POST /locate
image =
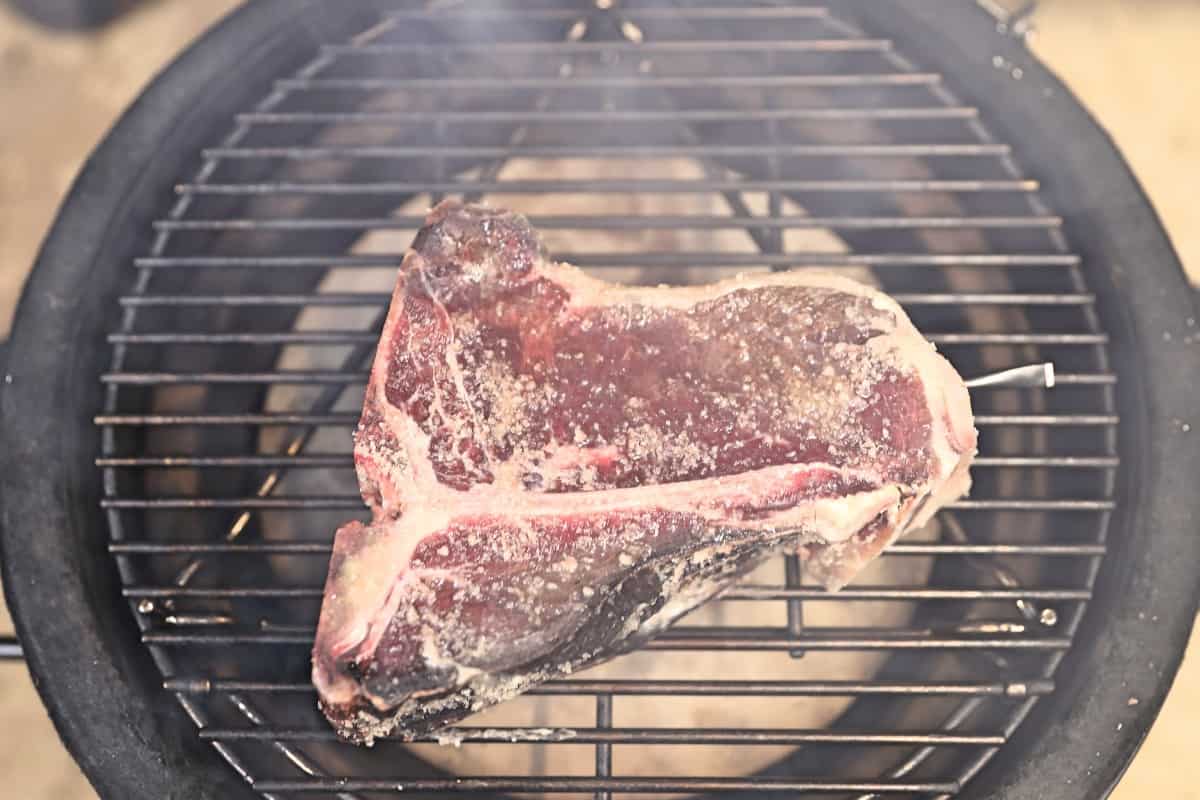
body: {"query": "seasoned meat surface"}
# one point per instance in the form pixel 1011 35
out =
pixel 560 467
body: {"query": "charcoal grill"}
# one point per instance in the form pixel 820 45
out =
pixel 187 359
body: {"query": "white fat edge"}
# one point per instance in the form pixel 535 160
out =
pixel 834 519
pixel 698 591
pixel 631 625
pixel 397 476
pixel 409 483
pixel 682 602
pixel 384 470
pixel 407 478
pixel 369 582
pixel 954 486
pixel 943 388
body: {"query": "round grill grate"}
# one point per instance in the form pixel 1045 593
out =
pixel 650 144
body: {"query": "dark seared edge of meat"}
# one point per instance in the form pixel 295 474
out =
pixel 639 596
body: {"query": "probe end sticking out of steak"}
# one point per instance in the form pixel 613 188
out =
pixel 558 468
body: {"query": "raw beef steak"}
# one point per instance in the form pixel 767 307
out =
pixel 558 467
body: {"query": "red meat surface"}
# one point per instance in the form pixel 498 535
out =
pixel 559 467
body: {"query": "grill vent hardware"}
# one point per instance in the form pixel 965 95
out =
pixel 791 139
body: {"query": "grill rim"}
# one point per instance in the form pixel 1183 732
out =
pixel 53 537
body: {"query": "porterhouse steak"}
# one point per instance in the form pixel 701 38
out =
pixel 558 467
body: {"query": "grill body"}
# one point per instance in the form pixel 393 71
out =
pixel 202 298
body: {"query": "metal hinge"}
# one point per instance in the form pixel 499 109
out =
pixel 10 649
pixel 1016 22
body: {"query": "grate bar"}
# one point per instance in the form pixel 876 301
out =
pixel 994 299
pixel 1048 420
pixel 241 592
pixel 611 186
pixel 669 14
pixel 576 784
pixel 1085 379
pixel 354 501
pixel 1067 462
pixel 374 299
pixel 618 115
pixel 10 648
pixel 342 337
pixel 346 460
pixel 627 222
pixel 938 549
pixel 703 46
pixel 332 337
pixel 610 736
pixel 751 592
pixel 612 151
pixel 349 420
pixel 604 715
pixel 297 758
pixel 744 592
pixel 705 639
pixel 297 377
pixel 952 722
pixel 308 461
pixel 350 501
pixel 221 548
pixel 308 377
pixel 572 82
pixel 1018 338
pixel 655 259
pixel 1032 505
pixel 284 419
pixel 719 688
pixel 994 641
pixel 323 549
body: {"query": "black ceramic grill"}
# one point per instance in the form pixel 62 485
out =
pixel 240 279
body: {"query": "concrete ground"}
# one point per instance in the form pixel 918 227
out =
pixel 1133 62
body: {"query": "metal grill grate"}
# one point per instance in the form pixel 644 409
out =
pixel 652 144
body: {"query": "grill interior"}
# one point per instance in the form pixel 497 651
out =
pixel 650 143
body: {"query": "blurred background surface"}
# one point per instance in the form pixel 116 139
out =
pixel 1133 63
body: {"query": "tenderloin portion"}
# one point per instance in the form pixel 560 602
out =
pixel 558 467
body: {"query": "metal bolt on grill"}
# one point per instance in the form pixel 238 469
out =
pixel 651 143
